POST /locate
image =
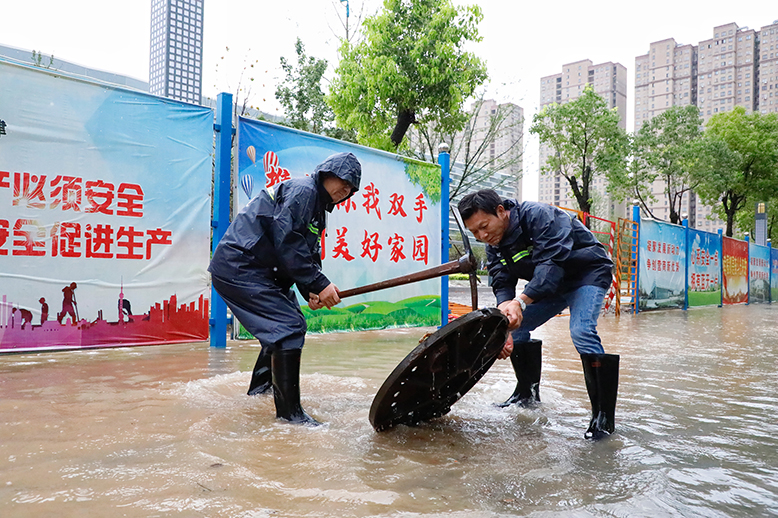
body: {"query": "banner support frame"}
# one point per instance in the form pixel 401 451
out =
pixel 222 182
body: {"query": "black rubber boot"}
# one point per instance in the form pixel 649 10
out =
pixel 286 387
pixel 601 372
pixel 262 377
pixel 526 359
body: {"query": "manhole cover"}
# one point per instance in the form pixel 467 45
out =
pixel 440 370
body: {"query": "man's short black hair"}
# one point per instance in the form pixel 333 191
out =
pixel 486 200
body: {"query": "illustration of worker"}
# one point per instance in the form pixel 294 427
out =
pixel 44 310
pixel 26 315
pixel 69 305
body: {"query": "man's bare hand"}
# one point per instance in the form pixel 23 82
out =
pixel 313 302
pixel 512 310
pixel 507 349
pixel 329 296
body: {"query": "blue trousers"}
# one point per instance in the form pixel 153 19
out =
pixel 268 311
pixel 585 304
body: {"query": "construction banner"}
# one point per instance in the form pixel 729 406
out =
pixel 662 260
pixel 758 273
pixel 774 274
pixel 735 266
pixel 704 275
pixel 391 227
pixel 104 214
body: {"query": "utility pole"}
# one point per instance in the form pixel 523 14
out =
pixel 347 14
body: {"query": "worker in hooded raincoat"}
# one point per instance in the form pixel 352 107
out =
pixel 274 243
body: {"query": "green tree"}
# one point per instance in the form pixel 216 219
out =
pixel 300 93
pixel 585 141
pixel 738 161
pixel 410 67
pixel 664 148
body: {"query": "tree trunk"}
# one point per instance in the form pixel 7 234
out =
pixel 730 223
pixel 404 120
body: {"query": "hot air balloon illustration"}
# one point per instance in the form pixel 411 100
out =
pixel 270 161
pixel 247 182
pixel 252 153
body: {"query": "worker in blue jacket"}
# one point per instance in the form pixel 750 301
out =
pixel 274 243
pixel 566 267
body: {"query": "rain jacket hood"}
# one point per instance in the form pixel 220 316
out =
pixel 346 167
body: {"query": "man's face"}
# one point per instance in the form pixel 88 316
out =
pixel 338 189
pixel 488 228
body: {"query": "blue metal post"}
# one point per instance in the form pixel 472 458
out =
pixel 721 266
pixel 636 241
pixel 770 272
pixel 685 224
pixel 222 182
pixel 748 269
pixel 445 164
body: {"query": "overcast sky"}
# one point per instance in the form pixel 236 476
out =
pixel 522 40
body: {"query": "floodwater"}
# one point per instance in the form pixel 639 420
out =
pixel 167 431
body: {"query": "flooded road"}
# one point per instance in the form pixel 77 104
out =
pixel 168 430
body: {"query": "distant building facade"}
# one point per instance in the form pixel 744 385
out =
pixel 609 81
pixel 738 66
pixel 505 150
pixel 176 56
pixel 60 65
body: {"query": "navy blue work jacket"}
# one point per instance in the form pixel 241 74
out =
pixel 277 235
pixel 553 251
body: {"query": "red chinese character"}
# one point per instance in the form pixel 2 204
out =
pixel 67 193
pixel 276 175
pixel 371 246
pixel 421 248
pixel 397 205
pixel 130 203
pixel 3 235
pixel 371 199
pixel 157 237
pixel 25 242
pixel 101 237
pixel 347 205
pixel 130 242
pixel 99 196
pixel 23 196
pixel 396 244
pixel 420 207
pixel 5 179
pixel 66 240
pixel 341 248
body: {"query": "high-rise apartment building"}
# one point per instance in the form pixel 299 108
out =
pixel 738 66
pixel 767 70
pixel 609 80
pixel 727 70
pixel 176 61
pixel 666 77
pixel 505 122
